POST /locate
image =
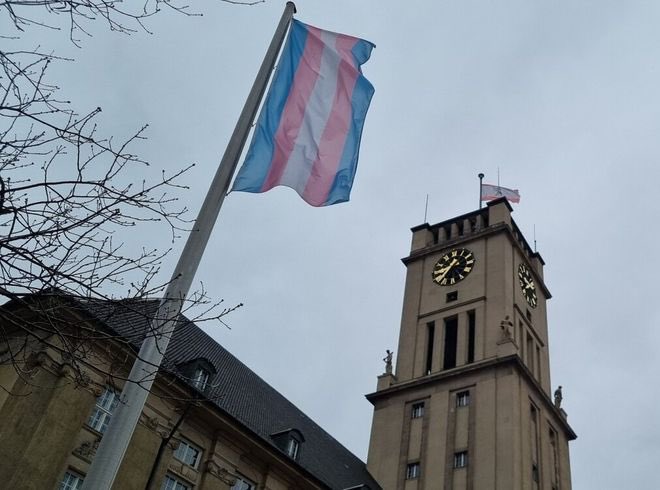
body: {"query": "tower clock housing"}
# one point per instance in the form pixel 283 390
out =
pixel 469 405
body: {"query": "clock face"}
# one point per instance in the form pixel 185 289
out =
pixel 453 266
pixel 527 285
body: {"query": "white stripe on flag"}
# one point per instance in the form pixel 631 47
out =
pixel 316 116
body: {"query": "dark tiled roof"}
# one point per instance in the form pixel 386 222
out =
pixel 239 392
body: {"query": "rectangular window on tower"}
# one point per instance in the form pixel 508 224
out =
pixel 529 352
pixel 534 434
pixel 417 411
pixel 412 471
pixel 471 332
pixel 460 459
pixel 554 459
pixel 430 339
pixel 462 398
pixel 451 339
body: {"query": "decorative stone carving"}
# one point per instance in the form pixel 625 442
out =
pixel 84 379
pixel 96 390
pixel 187 472
pixel 87 450
pixel 151 423
pixel 507 328
pixel 220 472
pixel 70 368
pixel 176 466
pixel 67 357
pixel 67 370
pixel 37 359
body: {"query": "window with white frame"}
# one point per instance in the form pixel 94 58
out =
pixel 173 483
pixel 463 399
pixel 201 378
pixel 243 483
pixel 105 405
pixel 188 453
pixel 460 459
pixel 413 471
pixel 417 410
pixel 71 481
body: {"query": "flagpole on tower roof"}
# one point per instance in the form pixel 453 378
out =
pixel 117 437
pixel 481 180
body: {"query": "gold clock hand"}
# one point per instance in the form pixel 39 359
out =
pixel 441 272
pixel 447 269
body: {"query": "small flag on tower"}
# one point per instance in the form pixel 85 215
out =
pixel 308 133
pixel 490 192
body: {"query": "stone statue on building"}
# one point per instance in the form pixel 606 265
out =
pixel 388 361
pixel 558 397
pixel 507 328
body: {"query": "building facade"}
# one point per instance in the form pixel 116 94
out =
pixel 210 423
pixel 470 405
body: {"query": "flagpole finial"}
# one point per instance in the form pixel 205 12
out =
pixel 295 11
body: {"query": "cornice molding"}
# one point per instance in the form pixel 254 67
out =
pixel 488 364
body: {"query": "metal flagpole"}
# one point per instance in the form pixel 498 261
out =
pixel 481 179
pixel 110 453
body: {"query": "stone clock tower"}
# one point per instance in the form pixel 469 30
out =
pixel 470 404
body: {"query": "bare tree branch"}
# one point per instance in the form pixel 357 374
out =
pixel 118 16
pixel 67 195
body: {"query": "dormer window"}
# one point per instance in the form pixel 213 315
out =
pixel 289 441
pixel 201 378
pixel 198 373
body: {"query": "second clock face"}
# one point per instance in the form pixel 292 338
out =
pixel 527 285
pixel 452 267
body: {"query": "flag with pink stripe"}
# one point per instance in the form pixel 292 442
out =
pixel 491 191
pixel 308 133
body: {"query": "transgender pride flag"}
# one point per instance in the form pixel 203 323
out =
pixel 308 133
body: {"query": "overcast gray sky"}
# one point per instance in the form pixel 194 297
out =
pixel 562 97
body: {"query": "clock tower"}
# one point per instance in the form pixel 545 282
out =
pixel 470 404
